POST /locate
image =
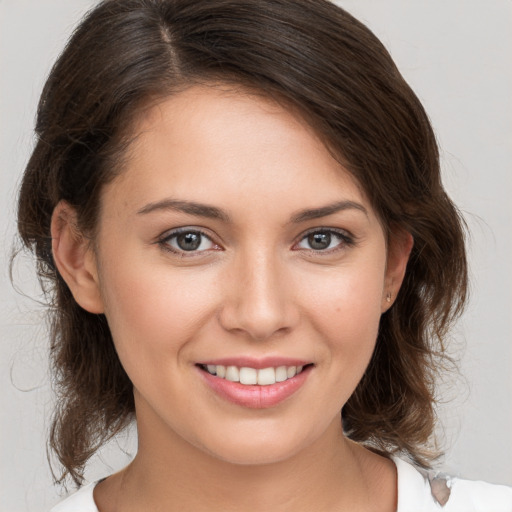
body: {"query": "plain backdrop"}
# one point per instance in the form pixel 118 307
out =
pixel 455 54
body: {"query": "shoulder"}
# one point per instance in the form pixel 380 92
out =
pixel 80 501
pixel 419 491
pixel 480 496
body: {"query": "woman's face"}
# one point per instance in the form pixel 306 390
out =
pixel 233 246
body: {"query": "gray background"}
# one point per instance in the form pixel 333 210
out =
pixel 455 54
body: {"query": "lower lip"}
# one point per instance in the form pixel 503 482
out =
pixel 256 397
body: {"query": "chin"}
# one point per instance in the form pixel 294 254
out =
pixel 258 446
pixel 255 454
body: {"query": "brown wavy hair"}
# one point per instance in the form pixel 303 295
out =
pixel 310 55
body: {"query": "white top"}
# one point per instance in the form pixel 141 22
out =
pixel 417 492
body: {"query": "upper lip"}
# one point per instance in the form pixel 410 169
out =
pixel 257 363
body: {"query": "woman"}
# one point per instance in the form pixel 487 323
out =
pixel 238 208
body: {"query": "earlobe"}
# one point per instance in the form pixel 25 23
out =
pixel 399 250
pixel 74 258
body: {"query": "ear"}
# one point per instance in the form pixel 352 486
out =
pixel 75 259
pixel 399 249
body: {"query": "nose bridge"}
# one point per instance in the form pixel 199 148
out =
pixel 259 302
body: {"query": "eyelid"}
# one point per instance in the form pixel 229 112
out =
pixel 163 241
pixel 347 239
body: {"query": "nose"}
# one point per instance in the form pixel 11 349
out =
pixel 258 300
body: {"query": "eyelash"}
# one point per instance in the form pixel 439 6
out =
pixel 346 240
pixel 164 241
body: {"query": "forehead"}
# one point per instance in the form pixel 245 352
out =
pixel 224 117
pixel 232 144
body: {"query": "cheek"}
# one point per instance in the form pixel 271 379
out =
pixel 154 311
pixel 346 311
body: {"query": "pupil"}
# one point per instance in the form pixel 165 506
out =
pixel 189 241
pixel 319 240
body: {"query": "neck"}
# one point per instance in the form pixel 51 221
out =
pixel 168 473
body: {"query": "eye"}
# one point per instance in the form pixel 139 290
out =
pixel 325 240
pixel 187 241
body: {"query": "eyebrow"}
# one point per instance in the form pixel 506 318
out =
pixel 324 211
pixel 212 212
pixel 190 207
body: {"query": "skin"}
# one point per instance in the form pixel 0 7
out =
pixel 255 288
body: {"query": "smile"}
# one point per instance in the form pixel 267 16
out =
pixel 255 388
pixel 253 376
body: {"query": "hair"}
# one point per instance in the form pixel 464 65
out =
pixel 307 54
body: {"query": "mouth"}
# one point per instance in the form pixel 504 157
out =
pixel 248 376
pixel 255 388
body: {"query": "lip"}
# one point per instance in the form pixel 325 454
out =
pixel 257 363
pixel 255 397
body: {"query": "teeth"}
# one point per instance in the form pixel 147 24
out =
pixel 248 376
pixel 252 376
pixel 281 374
pixel 232 374
pixel 266 376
